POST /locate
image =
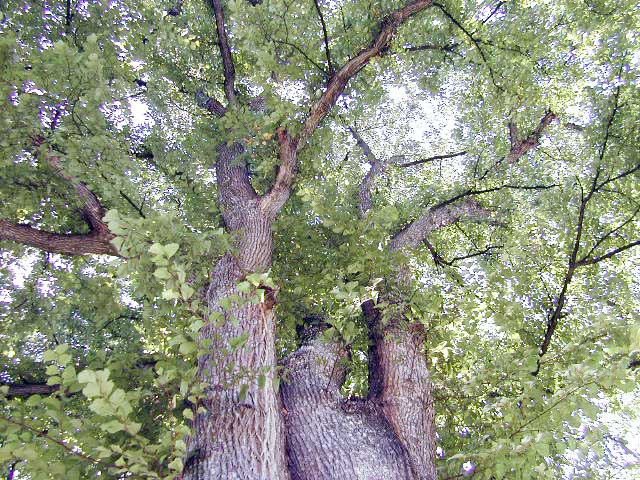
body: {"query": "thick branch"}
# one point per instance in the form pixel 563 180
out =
pixel 521 146
pixel 27 389
pixel 339 81
pixel 435 218
pixel 94 242
pixel 225 51
pixel 272 202
pixel 210 104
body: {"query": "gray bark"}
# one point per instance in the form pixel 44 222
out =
pixel 329 437
pixel 239 438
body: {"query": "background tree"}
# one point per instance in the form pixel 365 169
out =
pixel 457 256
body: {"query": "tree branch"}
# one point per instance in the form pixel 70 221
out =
pixel 303 53
pixel 27 389
pixel 289 146
pixel 81 244
pixel 98 241
pixel 432 159
pixel 437 217
pixel 441 262
pixel 272 202
pixel 339 81
pixel 474 40
pixel 210 104
pixel 225 51
pixel 608 235
pixel 521 146
pixel 609 254
pixel 377 167
pixel 326 38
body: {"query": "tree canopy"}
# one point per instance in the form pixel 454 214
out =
pixel 469 166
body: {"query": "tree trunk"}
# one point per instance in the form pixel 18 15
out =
pixel 240 436
pixel 241 433
pixel 400 383
pixel 329 437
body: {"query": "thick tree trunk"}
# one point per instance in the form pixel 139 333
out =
pixel 329 437
pixel 241 434
pixel 400 383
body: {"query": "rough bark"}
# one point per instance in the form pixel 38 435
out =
pixel 238 437
pixel 329 437
pixel 399 381
pixel 97 242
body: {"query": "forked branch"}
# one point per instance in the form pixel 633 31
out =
pixel 289 146
pixel 97 241
pixel 521 146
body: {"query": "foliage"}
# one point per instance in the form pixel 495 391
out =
pixel 112 87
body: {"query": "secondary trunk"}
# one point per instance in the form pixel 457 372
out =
pixel 329 437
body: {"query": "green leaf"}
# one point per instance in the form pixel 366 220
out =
pixel 187 347
pixel 113 426
pixel 176 465
pixel 87 376
pixel 156 249
pixel 244 389
pixel 170 249
pixel 186 291
pixel 102 407
pixel 162 273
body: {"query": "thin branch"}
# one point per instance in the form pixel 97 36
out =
pixel 43 433
pixel 430 47
pixel 609 254
pixel 626 173
pixel 609 234
pixel 475 42
pixel 432 159
pixel 225 51
pixel 326 38
pixel 495 10
pixel 441 262
pixel 557 313
pixel 303 53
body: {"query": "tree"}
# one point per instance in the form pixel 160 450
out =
pixel 457 255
